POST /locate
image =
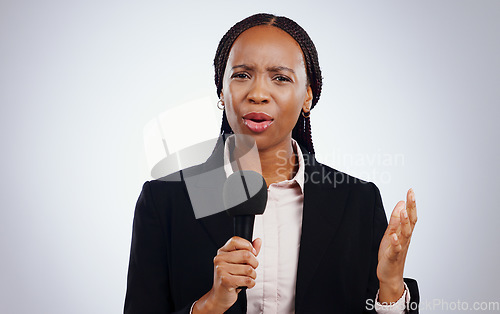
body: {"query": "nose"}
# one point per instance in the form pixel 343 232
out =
pixel 259 92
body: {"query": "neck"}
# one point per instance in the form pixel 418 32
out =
pixel 276 164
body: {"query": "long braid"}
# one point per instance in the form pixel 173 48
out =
pixel 225 128
pixel 302 133
pixel 302 129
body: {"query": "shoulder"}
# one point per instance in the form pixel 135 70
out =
pixel 331 178
pixel 351 193
pixel 169 189
pixel 177 180
pixel 360 199
pixel 172 182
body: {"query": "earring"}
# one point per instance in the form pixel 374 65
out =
pixel 220 105
pixel 308 114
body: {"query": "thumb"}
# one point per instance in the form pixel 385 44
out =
pixel 257 244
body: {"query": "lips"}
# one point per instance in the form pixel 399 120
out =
pixel 257 122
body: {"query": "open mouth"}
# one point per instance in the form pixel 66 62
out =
pixel 257 121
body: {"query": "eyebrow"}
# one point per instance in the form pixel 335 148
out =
pixel 270 69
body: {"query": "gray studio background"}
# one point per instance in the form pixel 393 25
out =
pixel 411 99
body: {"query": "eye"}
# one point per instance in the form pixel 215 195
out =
pixel 240 75
pixel 282 78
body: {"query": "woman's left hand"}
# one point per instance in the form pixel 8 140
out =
pixel 394 247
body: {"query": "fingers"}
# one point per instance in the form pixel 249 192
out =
pixel 233 282
pixel 237 243
pixel 406 227
pixel 236 275
pixel 398 247
pixel 395 220
pixel 235 264
pixel 401 224
pixel 257 244
pixel 232 276
pixel 396 244
pixel 238 251
pixel 237 257
pixel 241 270
pixel 411 207
pixel 408 218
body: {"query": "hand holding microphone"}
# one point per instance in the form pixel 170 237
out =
pixel 245 195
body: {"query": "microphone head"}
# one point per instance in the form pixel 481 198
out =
pixel 245 193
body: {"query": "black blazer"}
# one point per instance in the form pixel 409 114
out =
pixel 171 258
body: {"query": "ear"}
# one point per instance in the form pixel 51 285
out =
pixel 222 96
pixel 306 107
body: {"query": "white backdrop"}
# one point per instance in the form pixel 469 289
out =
pixel 411 99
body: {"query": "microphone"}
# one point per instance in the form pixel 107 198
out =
pixel 244 195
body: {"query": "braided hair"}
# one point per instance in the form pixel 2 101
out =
pixel 302 130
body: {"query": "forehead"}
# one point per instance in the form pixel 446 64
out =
pixel 266 45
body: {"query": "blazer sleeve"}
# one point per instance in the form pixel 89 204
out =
pixel 379 227
pixel 148 275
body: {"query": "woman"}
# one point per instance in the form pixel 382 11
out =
pixel 323 243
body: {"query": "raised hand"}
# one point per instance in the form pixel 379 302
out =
pixel 394 247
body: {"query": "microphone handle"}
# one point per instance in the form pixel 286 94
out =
pixel 243 228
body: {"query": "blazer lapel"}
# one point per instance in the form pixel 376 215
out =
pixel 322 213
pixel 219 226
pixel 205 184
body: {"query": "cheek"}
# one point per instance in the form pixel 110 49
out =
pixel 293 116
pixel 291 107
pixel 232 94
pixel 231 114
pixel 236 91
